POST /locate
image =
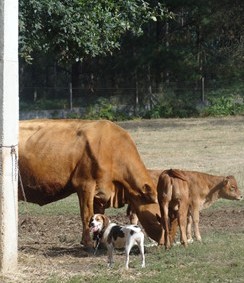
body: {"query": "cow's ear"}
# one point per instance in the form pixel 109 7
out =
pixel 159 218
pixel 147 189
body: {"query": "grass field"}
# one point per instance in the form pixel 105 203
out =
pixel 49 236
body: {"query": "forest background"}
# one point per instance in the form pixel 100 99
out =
pixel 120 59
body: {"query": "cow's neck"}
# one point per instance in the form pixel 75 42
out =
pixel 215 184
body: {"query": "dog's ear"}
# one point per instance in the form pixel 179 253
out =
pixel 105 220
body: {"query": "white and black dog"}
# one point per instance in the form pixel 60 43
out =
pixel 116 236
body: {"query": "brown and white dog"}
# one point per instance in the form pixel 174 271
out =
pixel 116 236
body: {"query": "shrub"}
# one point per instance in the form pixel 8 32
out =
pixel 172 108
pixel 103 109
pixel 220 106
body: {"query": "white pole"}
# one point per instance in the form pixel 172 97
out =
pixel 9 124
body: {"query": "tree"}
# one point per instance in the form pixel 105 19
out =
pixel 71 30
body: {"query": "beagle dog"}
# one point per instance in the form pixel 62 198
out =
pixel 116 236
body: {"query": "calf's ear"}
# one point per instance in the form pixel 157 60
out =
pixel 226 180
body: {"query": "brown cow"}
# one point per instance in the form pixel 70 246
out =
pixel 61 157
pixel 185 193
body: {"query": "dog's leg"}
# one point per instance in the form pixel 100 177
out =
pixel 140 244
pixel 128 247
pixel 110 254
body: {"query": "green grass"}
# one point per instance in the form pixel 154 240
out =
pixel 225 204
pixel 70 206
pixel 67 206
pixel 219 259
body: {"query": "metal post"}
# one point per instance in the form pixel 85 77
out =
pixel 9 113
pixel 203 89
pixel 70 97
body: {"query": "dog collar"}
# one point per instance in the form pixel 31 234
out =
pixel 97 237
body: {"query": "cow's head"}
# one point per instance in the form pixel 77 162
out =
pixel 149 215
pixel 148 194
pixel 230 189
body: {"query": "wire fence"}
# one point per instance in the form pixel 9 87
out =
pixel 63 101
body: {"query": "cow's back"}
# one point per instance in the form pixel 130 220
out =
pixel 54 155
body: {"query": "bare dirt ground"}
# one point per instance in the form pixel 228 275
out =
pixel 49 245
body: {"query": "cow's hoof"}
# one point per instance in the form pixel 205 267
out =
pixel 89 250
pixel 87 247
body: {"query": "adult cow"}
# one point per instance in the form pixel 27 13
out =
pixel 183 194
pixel 92 158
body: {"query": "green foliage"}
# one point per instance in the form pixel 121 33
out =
pixel 44 104
pixel 225 101
pixel 103 109
pixel 223 106
pixel 123 44
pixel 74 29
pixel 220 106
pixel 172 105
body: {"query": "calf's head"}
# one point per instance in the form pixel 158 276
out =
pixel 230 189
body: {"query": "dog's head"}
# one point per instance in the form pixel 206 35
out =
pixel 98 222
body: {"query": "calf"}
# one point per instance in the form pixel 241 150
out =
pixel 184 193
pixel 116 236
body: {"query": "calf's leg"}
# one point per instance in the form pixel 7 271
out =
pixel 195 216
pixel 182 219
pixel 188 228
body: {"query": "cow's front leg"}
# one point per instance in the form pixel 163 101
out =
pixel 86 200
pixel 132 215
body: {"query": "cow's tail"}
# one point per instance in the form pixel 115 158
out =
pixel 176 173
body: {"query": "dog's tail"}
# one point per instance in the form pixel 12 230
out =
pixel 134 228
